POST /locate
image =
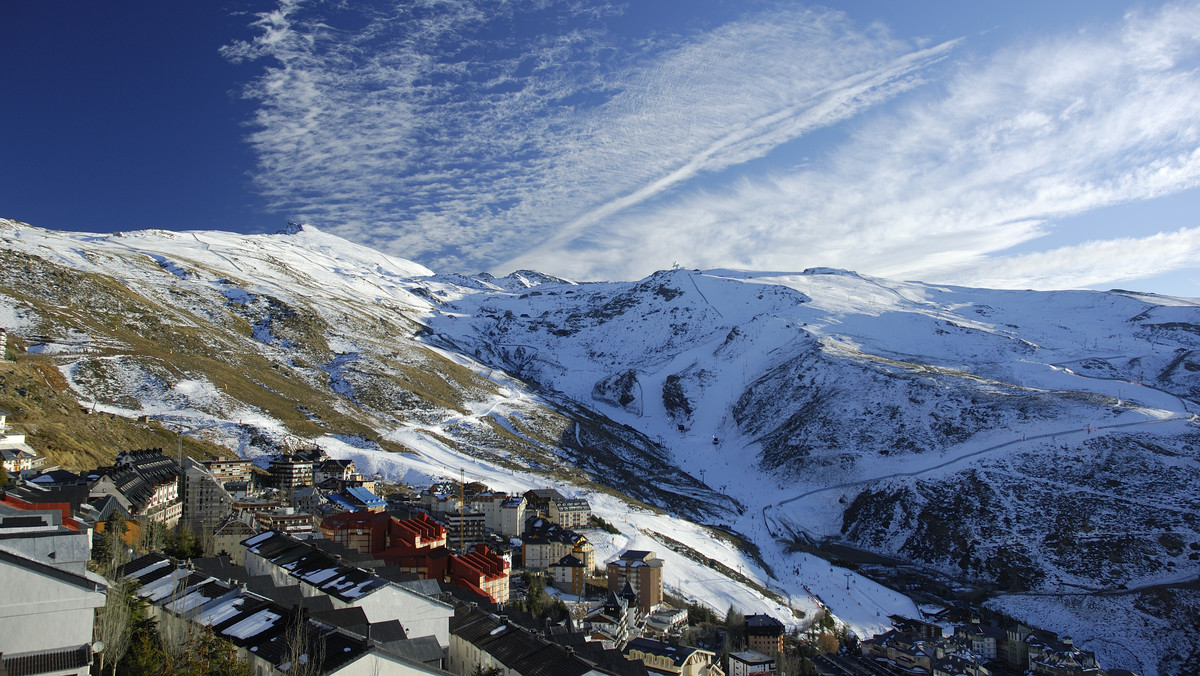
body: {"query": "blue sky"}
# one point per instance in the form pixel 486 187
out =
pixel 1016 145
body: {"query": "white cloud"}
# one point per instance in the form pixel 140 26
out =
pixel 980 164
pixel 1088 264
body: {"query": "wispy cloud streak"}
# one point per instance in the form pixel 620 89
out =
pixel 461 133
pixel 1095 263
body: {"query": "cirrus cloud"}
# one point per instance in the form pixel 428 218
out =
pixel 462 133
pixel 480 134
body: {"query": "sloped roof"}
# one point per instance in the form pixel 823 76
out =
pixel 365 496
pixel 343 617
pixel 514 647
pixel 420 649
pixel 678 654
pixel 231 525
pixel 306 562
pixel 608 659
pixel 247 619
pixel 56 476
pixel 763 625
pixel 342 502
pixel 543 495
pixel 46 570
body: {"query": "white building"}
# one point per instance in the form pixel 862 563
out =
pixel 50 598
pixel 751 662
pixel 206 503
pixel 16 455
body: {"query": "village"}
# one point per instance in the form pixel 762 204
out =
pixel 308 562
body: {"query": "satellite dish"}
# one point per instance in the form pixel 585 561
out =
pixel 98 647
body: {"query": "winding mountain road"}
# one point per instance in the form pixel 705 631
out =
pixel 965 456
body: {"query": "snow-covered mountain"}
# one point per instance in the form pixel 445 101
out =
pixel 1042 441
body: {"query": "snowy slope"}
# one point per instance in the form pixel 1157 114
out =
pixel 991 435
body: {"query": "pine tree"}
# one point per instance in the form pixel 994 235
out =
pixel 145 656
pixel 735 627
pixel 182 544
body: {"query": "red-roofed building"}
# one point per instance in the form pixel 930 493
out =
pixel 483 572
pixel 419 533
pixel 63 508
pixel 417 545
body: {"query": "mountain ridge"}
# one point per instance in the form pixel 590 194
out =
pixel 718 396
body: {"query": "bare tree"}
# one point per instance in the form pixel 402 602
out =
pixel 304 648
pixel 176 630
pixel 114 534
pixel 113 626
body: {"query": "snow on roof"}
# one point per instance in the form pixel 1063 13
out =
pixel 253 625
pixel 258 539
pixel 222 609
pixel 363 588
pixel 192 600
pixel 154 566
pixel 164 586
pixel 318 576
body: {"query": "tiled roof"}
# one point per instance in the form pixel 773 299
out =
pixel 517 649
pixel 421 649
pixel 760 625
pixel 46 661
pixel 567 561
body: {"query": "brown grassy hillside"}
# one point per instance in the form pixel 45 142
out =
pixel 41 406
